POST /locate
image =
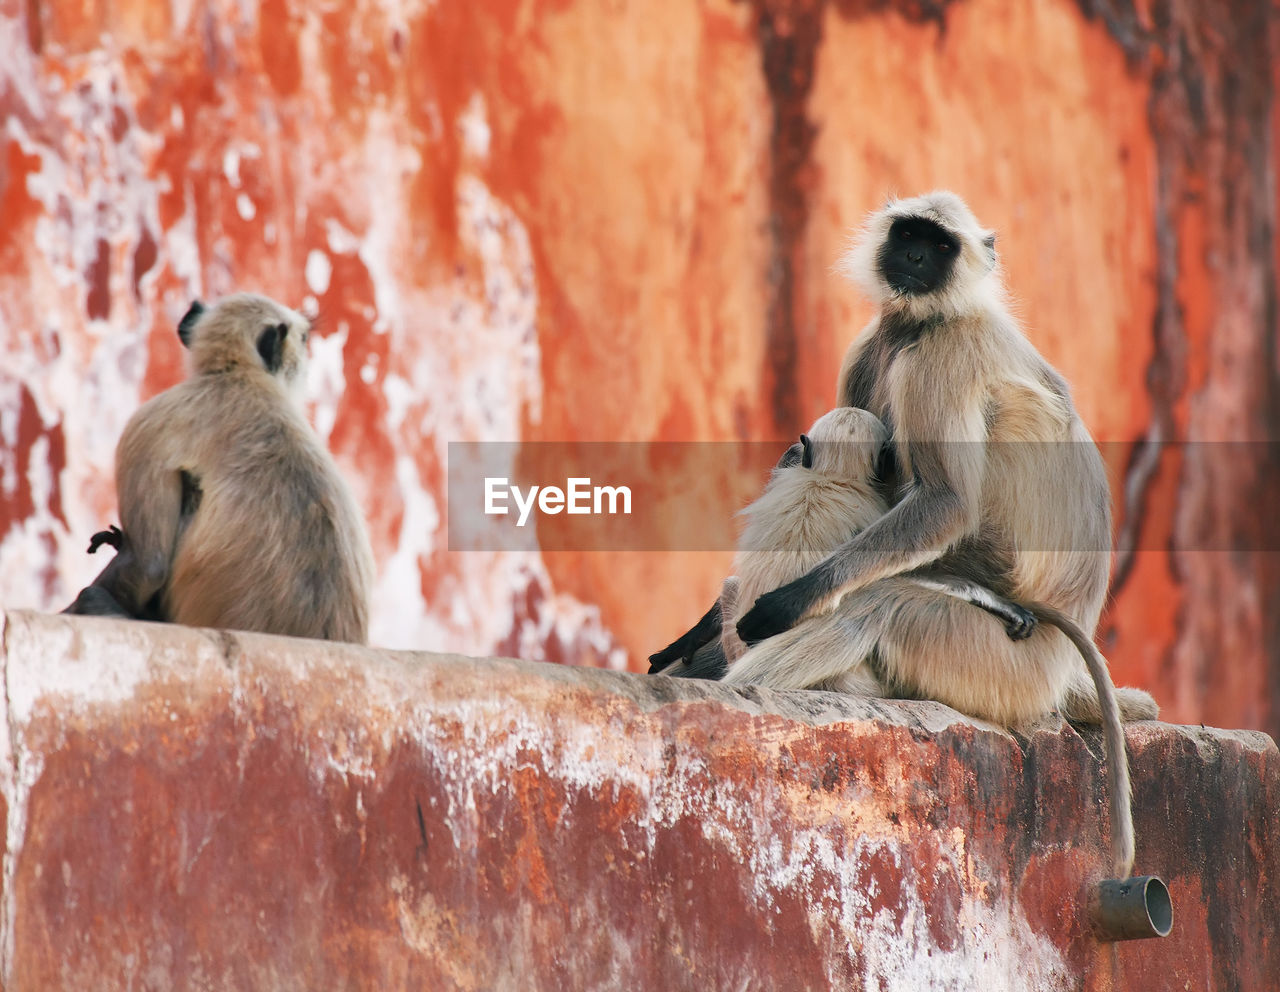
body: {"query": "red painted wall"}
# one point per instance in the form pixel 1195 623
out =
pixel 574 221
pixel 188 810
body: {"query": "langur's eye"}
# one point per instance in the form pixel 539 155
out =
pixel 905 234
pixel 944 246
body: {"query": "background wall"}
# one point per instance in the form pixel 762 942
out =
pixel 579 220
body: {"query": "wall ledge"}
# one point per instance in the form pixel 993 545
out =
pixel 203 809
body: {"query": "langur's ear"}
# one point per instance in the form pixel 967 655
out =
pixel 806 460
pixel 188 323
pixel 271 346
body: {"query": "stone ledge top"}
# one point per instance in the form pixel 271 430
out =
pixel 53 649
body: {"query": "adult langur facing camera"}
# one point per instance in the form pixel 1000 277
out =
pixel 1004 488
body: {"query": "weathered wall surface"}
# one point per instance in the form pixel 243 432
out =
pixel 529 221
pixel 194 810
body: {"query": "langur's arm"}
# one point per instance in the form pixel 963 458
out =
pixel 730 643
pixel 940 507
pixel 684 647
pixel 859 368
pixel 150 495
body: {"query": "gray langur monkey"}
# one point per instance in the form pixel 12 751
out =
pixel 808 509
pixel 1003 488
pixel 234 514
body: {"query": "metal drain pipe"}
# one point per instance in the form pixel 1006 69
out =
pixel 1131 908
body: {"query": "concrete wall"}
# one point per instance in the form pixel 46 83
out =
pixel 190 809
pixel 571 220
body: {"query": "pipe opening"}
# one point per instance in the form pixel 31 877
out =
pixel 1132 908
pixel 1159 906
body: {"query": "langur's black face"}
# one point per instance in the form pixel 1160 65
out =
pixel 918 255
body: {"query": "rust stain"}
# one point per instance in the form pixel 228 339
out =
pixel 789 36
pixel 98 279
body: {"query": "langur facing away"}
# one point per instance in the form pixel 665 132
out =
pixel 234 514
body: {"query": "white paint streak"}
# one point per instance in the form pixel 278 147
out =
pixel 341 241
pixel 399 395
pixel 231 166
pixel 10 401
pixel 325 380
pixel 474 126
pixel 400 578
pixel 319 270
pixel 183 247
pixel 492 230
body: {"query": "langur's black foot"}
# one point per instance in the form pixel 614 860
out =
pixel 94 601
pixel 708 662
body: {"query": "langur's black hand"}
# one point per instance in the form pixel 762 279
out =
pixel 113 535
pixel 1020 624
pixel 776 611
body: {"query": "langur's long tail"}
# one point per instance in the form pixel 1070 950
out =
pixel 1118 785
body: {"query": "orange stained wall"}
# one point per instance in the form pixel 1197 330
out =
pixel 561 220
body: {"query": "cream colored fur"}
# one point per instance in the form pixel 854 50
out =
pixel 805 513
pixel 276 543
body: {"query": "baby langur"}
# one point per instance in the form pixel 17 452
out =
pixel 810 507
pixel 823 491
pixel 234 514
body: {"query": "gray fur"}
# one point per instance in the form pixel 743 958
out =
pixel 275 542
pixel 805 512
